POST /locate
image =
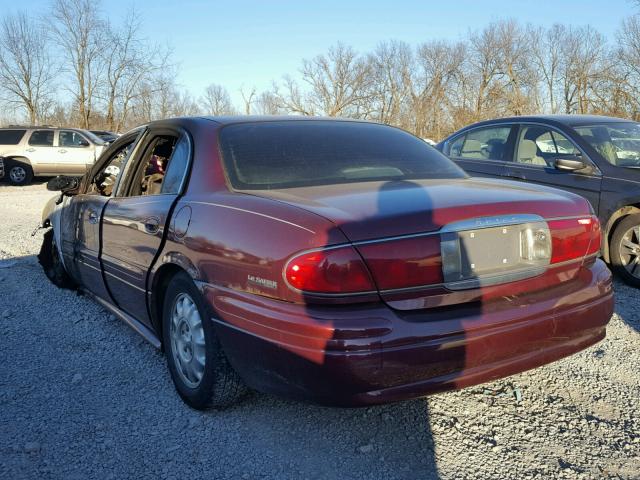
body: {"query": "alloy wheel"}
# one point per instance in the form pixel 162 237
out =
pixel 17 174
pixel 630 251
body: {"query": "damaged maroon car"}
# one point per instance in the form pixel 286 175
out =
pixel 340 262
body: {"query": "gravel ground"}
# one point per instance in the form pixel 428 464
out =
pixel 82 396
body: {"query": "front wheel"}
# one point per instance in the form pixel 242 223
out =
pixel 49 258
pixel 19 173
pixel 199 368
pixel 625 250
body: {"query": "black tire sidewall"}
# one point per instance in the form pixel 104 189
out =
pixel 199 397
pixel 616 239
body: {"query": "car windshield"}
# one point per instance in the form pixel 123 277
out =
pixel 284 154
pixel 93 137
pixel 618 143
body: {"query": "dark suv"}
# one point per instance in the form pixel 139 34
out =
pixel 596 157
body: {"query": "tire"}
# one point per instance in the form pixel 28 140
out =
pixel 199 368
pixel 49 258
pixel 625 250
pixel 18 173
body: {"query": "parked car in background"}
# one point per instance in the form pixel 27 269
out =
pixel 105 135
pixel 45 151
pixel 593 156
pixel 342 262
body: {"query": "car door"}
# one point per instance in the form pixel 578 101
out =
pixel 536 151
pixel 75 154
pixel 41 152
pixel 80 235
pixel 482 151
pixel 134 223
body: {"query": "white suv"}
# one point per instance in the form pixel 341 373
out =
pixel 44 151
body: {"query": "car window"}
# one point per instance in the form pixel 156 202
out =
pixel 177 168
pixel 69 138
pixel 11 137
pixel 482 143
pixel 41 138
pixel 618 143
pixel 287 154
pixel 540 146
pixel 105 180
pixel 150 176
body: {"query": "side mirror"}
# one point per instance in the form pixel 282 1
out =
pixel 63 183
pixel 84 143
pixel 568 165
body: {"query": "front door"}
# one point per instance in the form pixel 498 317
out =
pixel 134 225
pixel 537 149
pixel 80 232
pixel 75 153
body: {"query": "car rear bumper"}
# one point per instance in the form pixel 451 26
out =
pixel 371 354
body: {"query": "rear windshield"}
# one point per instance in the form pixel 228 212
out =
pixel 11 137
pixel 282 154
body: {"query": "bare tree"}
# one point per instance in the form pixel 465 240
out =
pixel 26 72
pixel 391 69
pixel 338 85
pixel 128 61
pixel 78 29
pixel 216 101
pixel 247 98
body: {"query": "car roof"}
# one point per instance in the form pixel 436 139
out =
pixel 229 119
pixel 557 119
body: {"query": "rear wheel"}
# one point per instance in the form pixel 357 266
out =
pixel 200 371
pixel 625 250
pixel 19 173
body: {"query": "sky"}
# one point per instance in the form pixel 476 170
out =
pixel 249 43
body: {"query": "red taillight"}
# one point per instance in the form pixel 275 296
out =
pixel 335 270
pixel 574 238
pixel 404 263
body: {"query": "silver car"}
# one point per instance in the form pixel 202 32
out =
pixel 43 151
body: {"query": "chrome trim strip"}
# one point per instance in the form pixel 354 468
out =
pixel 124 281
pixel 254 213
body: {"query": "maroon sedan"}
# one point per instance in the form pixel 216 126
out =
pixel 342 262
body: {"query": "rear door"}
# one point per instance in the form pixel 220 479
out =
pixel 135 221
pixel 537 148
pixel 483 151
pixel 41 152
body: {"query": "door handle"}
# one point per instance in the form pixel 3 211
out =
pixel 31 149
pixel 62 150
pixel 152 225
pixel 93 217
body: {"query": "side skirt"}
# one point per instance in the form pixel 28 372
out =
pixel 146 333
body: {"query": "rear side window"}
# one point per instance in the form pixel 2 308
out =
pixel 270 155
pixel 41 138
pixel 482 144
pixel 11 137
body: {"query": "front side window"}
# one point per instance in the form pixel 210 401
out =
pixel 104 182
pixel 482 144
pixel 41 138
pixel 618 143
pixel 540 146
pixel 286 154
pixel 69 138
